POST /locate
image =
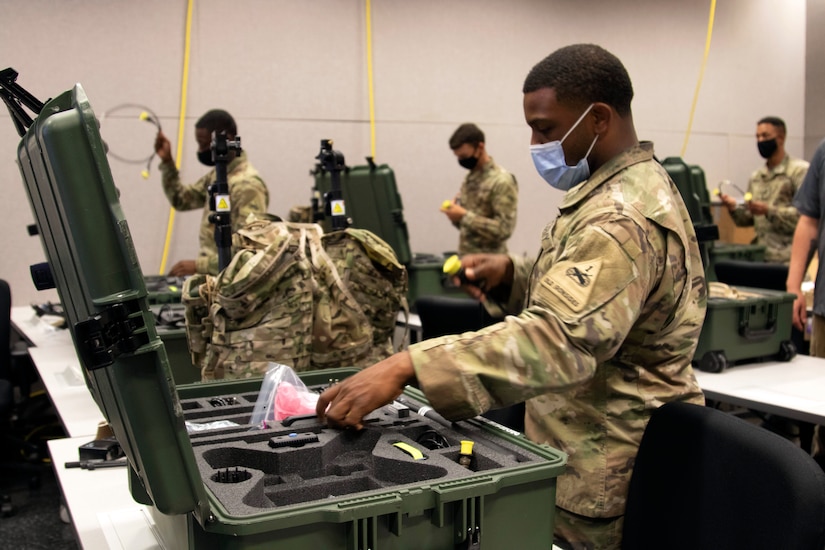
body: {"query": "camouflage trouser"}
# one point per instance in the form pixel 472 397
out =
pixel 575 532
pixel 818 350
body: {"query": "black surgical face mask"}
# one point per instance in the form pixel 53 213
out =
pixel 469 163
pixel 766 148
pixel 205 157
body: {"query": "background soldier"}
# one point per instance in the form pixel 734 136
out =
pixel 484 211
pixel 772 187
pixel 247 191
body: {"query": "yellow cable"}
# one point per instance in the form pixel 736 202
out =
pixel 369 78
pixel 181 120
pixel 701 75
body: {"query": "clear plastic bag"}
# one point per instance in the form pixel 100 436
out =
pixel 282 395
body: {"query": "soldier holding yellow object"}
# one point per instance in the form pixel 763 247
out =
pixel 484 211
pixel 772 188
pixel 604 323
pixel 247 191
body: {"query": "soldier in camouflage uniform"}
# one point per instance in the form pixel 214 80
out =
pixel 773 186
pixel 605 321
pixel 247 191
pixel 484 211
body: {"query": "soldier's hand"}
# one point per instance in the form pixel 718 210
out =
pixel 345 404
pixel 163 147
pixel 728 201
pixel 487 271
pixel 455 212
pixel 800 312
pixel 183 268
pixel 758 208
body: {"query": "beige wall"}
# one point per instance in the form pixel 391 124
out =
pixel 294 72
pixel 814 76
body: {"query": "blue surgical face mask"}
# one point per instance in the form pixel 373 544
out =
pixel 549 161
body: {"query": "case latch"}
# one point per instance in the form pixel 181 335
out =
pixel 110 333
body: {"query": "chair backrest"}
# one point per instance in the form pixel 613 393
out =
pixel 5 330
pixel 704 479
pixel 441 315
pixel 6 388
pixel 753 274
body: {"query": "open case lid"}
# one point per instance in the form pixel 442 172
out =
pixel 101 287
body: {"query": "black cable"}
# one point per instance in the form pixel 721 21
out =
pixel 146 114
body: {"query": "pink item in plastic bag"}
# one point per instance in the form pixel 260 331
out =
pixel 289 401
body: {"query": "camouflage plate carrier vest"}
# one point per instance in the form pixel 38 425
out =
pixel 296 296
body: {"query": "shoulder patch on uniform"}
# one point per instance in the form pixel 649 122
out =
pixel 573 284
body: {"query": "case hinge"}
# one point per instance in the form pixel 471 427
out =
pixel 110 333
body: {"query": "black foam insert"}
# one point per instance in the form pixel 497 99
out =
pixel 250 469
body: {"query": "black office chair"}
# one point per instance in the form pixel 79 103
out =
pixel 22 458
pixel 704 479
pixel 442 315
pixel 6 385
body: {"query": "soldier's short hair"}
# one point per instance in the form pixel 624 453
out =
pixel 218 120
pixel 466 133
pixel 774 121
pixel 583 74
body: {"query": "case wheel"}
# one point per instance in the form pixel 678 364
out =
pixel 713 361
pixel 787 350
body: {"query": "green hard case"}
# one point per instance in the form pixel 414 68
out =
pixel 505 500
pixel 755 328
pixel 690 181
pixel 372 202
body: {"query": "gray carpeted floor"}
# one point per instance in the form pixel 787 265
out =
pixel 35 523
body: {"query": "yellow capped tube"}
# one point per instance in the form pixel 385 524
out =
pixel 467 447
pixel 465 457
pixel 452 265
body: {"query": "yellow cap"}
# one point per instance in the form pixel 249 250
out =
pixel 144 115
pixel 717 191
pixel 446 204
pixel 145 174
pixel 467 447
pixel 748 196
pixel 452 265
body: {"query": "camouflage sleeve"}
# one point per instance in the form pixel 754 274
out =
pixel 560 339
pixel 247 196
pixel 183 197
pixel 741 216
pixel 782 214
pixel 504 203
pixel 207 262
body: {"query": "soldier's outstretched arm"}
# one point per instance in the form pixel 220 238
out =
pixel 345 404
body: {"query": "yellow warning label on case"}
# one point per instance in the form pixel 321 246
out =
pixel 222 203
pixel 338 208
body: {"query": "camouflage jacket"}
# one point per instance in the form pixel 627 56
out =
pixel 490 196
pixel 613 307
pixel 247 194
pixel 296 296
pixel 775 186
